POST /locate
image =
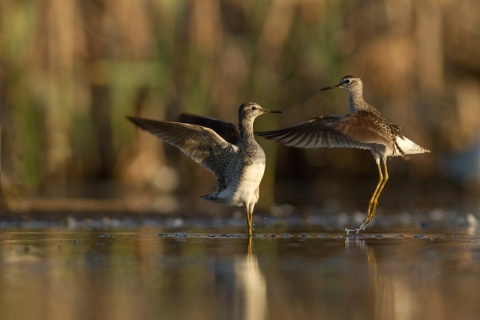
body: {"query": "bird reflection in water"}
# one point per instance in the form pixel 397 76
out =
pixel 389 295
pixel 244 287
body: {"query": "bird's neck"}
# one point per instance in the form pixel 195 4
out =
pixel 356 101
pixel 246 130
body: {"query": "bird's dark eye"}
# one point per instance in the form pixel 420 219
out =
pixel 254 108
pixel 348 81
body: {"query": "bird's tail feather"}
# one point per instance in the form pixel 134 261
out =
pixel 407 146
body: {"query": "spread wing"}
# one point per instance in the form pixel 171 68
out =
pixel 366 127
pixel 354 130
pixel 320 132
pixel 201 144
pixel 226 130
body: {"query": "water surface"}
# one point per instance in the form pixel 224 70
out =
pixel 144 274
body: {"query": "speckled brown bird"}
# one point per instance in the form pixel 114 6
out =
pixel 364 127
pixel 238 166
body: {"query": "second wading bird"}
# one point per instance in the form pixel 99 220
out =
pixel 238 167
pixel 364 127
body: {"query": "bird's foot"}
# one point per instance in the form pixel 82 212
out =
pixel 357 230
pixel 352 231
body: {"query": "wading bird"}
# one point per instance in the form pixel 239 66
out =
pixel 364 127
pixel 238 167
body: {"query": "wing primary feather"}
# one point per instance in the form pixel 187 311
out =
pixel 203 145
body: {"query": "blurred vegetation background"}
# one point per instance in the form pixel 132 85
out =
pixel 71 70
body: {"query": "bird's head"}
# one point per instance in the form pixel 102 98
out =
pixel 251 110
pixel 348 83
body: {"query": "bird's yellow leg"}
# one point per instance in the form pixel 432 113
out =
pixel 385 178
pixel 374 201
pixel 372 204
pixel 249 223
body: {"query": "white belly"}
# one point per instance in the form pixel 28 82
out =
pixel 246 189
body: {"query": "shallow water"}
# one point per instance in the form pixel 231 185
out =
pixel 143 274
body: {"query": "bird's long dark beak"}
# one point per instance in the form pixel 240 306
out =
pixel 331 87
pixel 272 111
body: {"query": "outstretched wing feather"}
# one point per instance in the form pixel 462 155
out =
pixel 226 130
pixel 201 144
pixel 318 132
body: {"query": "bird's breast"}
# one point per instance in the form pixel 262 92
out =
pixel 252 175
pixel 246 190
